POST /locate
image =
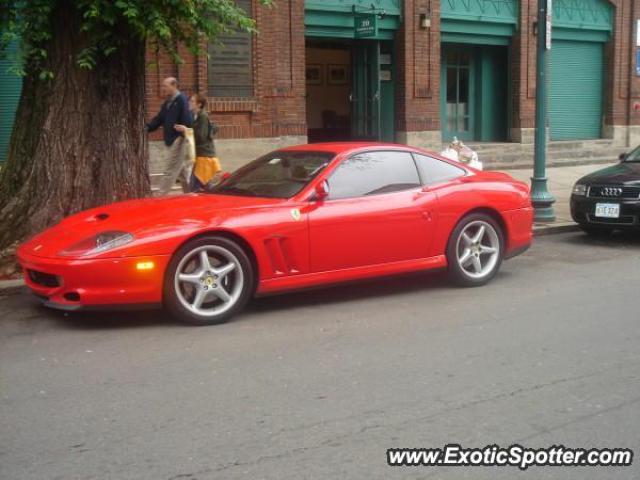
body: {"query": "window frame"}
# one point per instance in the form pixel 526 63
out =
pixel 227 103
pixel 330 174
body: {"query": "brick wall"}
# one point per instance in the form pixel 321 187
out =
pixel 418 100
pixel 277 108
pixel 523 69
pixel 619 68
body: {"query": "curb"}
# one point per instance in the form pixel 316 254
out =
pixel 552 164
pixel 11 284
pixel 542 229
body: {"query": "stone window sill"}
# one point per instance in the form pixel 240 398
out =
pixel 219 104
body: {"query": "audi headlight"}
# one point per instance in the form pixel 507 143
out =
pixel 579 189
pixel 100 243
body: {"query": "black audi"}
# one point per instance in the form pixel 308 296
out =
pixel 609 199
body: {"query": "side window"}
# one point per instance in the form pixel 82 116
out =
pixel 436 171
pixel 373 173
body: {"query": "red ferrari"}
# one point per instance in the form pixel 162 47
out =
pixel 298 217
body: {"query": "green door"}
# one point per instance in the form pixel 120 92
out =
pixel 575 90
pixel 458 90
pixel 365 96
pixel 492 77
pixel 474 96
pixel 10 89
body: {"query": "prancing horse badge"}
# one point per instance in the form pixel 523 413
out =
pixel 295 213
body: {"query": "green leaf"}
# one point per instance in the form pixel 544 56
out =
pixel 107 26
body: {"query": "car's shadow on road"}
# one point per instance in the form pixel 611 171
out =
pixel 110 320
pixel 615 240
pixel 427 282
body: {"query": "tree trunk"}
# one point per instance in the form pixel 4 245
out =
pixel 77 140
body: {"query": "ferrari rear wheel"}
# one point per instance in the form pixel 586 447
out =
pixel 475 250
pixel 208 280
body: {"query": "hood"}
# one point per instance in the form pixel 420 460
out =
pixel 626 173
pixel 144 218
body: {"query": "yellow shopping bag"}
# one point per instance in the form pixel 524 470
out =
pixel 206 168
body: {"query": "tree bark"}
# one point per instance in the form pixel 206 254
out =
pixel 78 139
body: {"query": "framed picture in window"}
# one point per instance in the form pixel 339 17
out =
pixel 314 75
pixel 337 74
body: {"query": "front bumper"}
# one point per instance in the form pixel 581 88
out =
pixel 71 284
pixel 583 212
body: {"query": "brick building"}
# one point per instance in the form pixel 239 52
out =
pixel 419 72
pixel 414 71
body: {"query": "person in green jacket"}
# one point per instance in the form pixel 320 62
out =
pixel 207 164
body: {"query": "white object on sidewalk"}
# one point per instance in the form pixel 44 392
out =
pixel 459 152
pixel 450 153
pixel 475 162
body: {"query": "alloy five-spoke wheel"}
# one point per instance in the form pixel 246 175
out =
pixel 208 280
pixel 475 250
pixel 478 249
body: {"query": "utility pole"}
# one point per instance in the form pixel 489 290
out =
pixel 540 197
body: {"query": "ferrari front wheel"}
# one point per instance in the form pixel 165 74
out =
pixel 208 281
pixel 475 250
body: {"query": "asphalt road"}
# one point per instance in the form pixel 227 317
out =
pixel 319 384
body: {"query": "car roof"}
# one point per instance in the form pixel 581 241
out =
pixel 338 148
pixel 342 147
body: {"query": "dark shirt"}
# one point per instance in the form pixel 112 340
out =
pixel 174 111
pixel 203 131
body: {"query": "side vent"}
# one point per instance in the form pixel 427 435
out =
pixel 281 257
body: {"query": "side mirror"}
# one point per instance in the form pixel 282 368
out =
pixel 622 157
pixel 322 191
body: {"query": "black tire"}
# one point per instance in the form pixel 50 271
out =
pixel 457 274
pixel 596 231
pixel 174 304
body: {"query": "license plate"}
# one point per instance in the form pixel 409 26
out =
pixel 608 210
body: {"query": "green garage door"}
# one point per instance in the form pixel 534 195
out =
pixel 576 86
pixel 10 88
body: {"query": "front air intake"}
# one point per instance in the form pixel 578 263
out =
pixel 44 279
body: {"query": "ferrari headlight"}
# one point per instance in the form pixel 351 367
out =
pixel 579 189
pixel 102 242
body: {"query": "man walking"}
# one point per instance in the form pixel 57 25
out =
pixel 174 111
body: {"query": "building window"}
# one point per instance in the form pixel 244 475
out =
pixel 230 68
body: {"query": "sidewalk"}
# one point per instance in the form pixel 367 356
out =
pixel 560 182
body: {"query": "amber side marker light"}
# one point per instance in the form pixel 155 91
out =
pixel 145 266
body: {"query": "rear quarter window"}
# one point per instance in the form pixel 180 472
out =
pixel 434 171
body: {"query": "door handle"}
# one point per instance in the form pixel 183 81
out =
pixel 426 214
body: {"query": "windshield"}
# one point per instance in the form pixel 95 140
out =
pixel 633 156
pixel 276 175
